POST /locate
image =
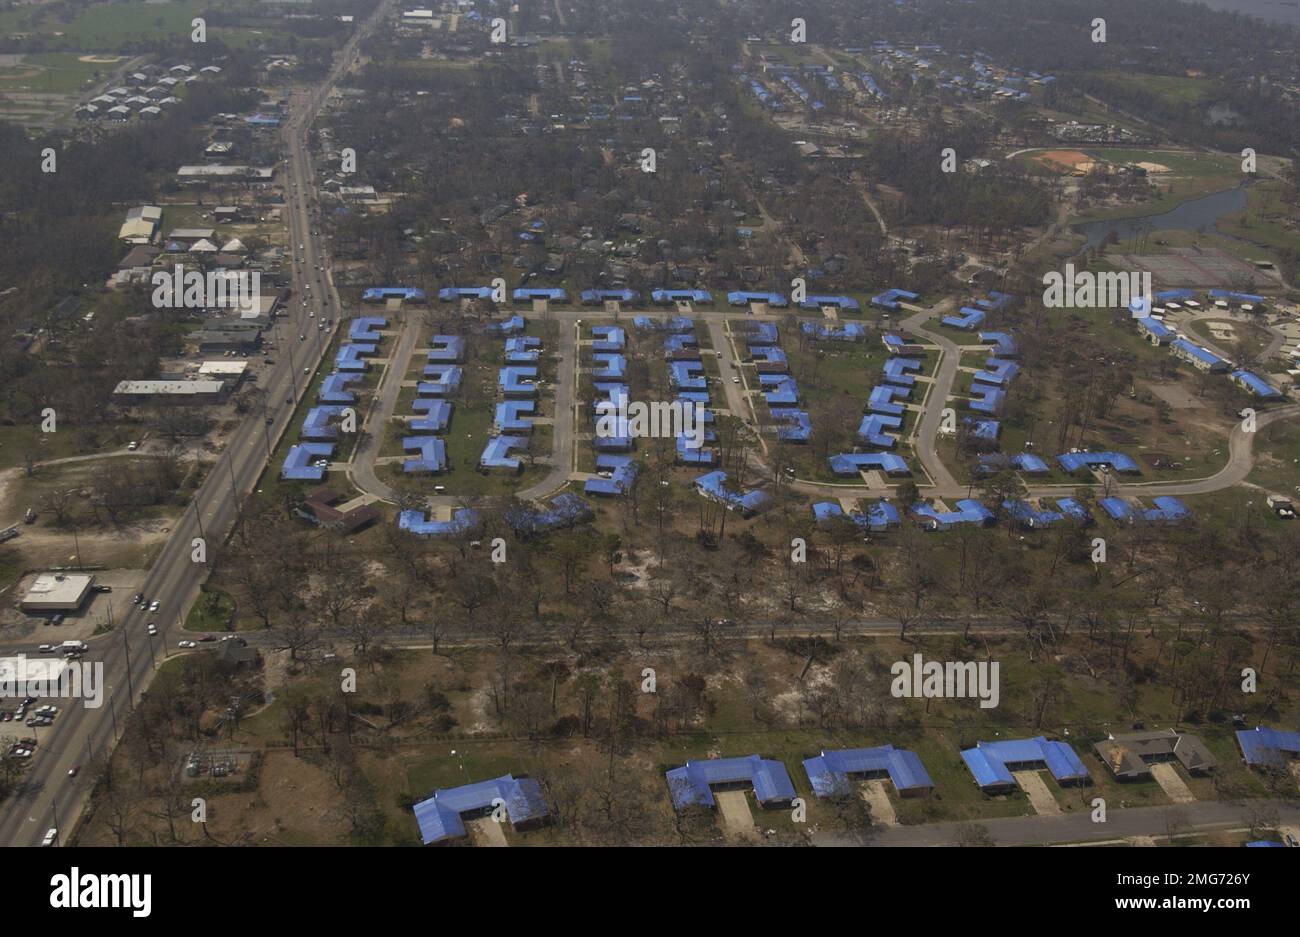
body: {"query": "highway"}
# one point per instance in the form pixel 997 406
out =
pixel 47 797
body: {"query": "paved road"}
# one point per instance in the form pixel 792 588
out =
pixel 1202 816
pixel 927 431
pixel 47 797
pixel 384 403
pixel 564 428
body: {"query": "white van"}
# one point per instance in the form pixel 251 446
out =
pixel 51 836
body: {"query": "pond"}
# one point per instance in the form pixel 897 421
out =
pixel 1192 215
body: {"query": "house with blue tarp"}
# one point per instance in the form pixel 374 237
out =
pixel 744 298
pixel 333 389
pixel 431 454
pixel 968 319
pixel 1271 748
pixel 871 432
pixel 890 299
pixel 1004 345
pixel 665 297
pixel 969 511
pixel 439 381
pixel 1073 462
pixel 512 417
pixel 992 763
pixel 299 463
pixel 446 349
pixel 496 454
pixel 692 785
pixel 517 381
pixel 435 415
pixel 550 294
pixel 607 338
pixel 833 773
pixel 1256 385
pixel 622 471
pixel 415 522
pixel 441 817
pixel 714 486
pixel 449 293
pixel 566 510
pixel 854 463
pixel 378 294
pixel 366 329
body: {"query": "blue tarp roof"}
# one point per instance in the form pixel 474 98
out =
pixel 692 783
pixel 431 454
pixel 511 416
pixel 987 399
pixel 377 294
pixel 622 471
pixel 1117 508
pixel 997 371
pixel 844 303
pixel 1264 746
pixel 1239 297
pixel 1155 328
pixel 366 329
pixel 795 424
pixel 448 293
pixel 439 380
pixel 761 333
pixel 849 332
pixel 969 511
pixel 1076 461
pixel 334 388
pixel 769 354
pixel 507 326
pixel 318 426
pixel 882 397
pixel 527 294
pixel 783 394
pixel 851 463
pixel 714 485
pixel 1256 385
pixel 690 296
pixel 1203 355
pixel 968 319
pixel 596 297
pixel 607 338
pixel 515 380
pixel 352 357
pixel 1027 515
pixel 744 298
pixel 298 463
pixel 890 298
pixel 871 432
pixel 446 349
pixel 1073 509
pixel 1005 345
pixel 437 414
pixel 832 772
pixel 439 817
pixel 989 762
pixel 566 510
pixel 1030 464
pixel 896 369
pixel 687 375
pixel 1167 510
pixel 496 454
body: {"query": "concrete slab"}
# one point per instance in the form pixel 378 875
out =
pixel 1166 775
pixel 882 811
pixel 1035 788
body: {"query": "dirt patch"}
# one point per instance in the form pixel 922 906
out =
pixel 1035 788
pixel 486 832
pixel 1067 161
pixel 737 820
pixel 101 59
pixel 1167 777
pixel 1176 395
pixel 882 811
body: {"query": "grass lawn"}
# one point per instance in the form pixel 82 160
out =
pixel 214 611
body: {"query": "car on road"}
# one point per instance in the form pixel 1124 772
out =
pixel 206 639
pixel 137 598
pixel 186 644
pixel 132 446
pixel 302 337
pixel 735 379
pixel 72 772
pixel 1291 840
pixel 153 629
pixel 46 649
pixel 154 605
pixel 51 837
pixel 270 420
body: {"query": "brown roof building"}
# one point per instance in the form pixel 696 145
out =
pixel 1130 756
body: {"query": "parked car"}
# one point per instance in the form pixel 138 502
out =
pixel 186 644
pixel 132 446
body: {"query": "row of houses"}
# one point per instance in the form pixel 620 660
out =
pixel 834 773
